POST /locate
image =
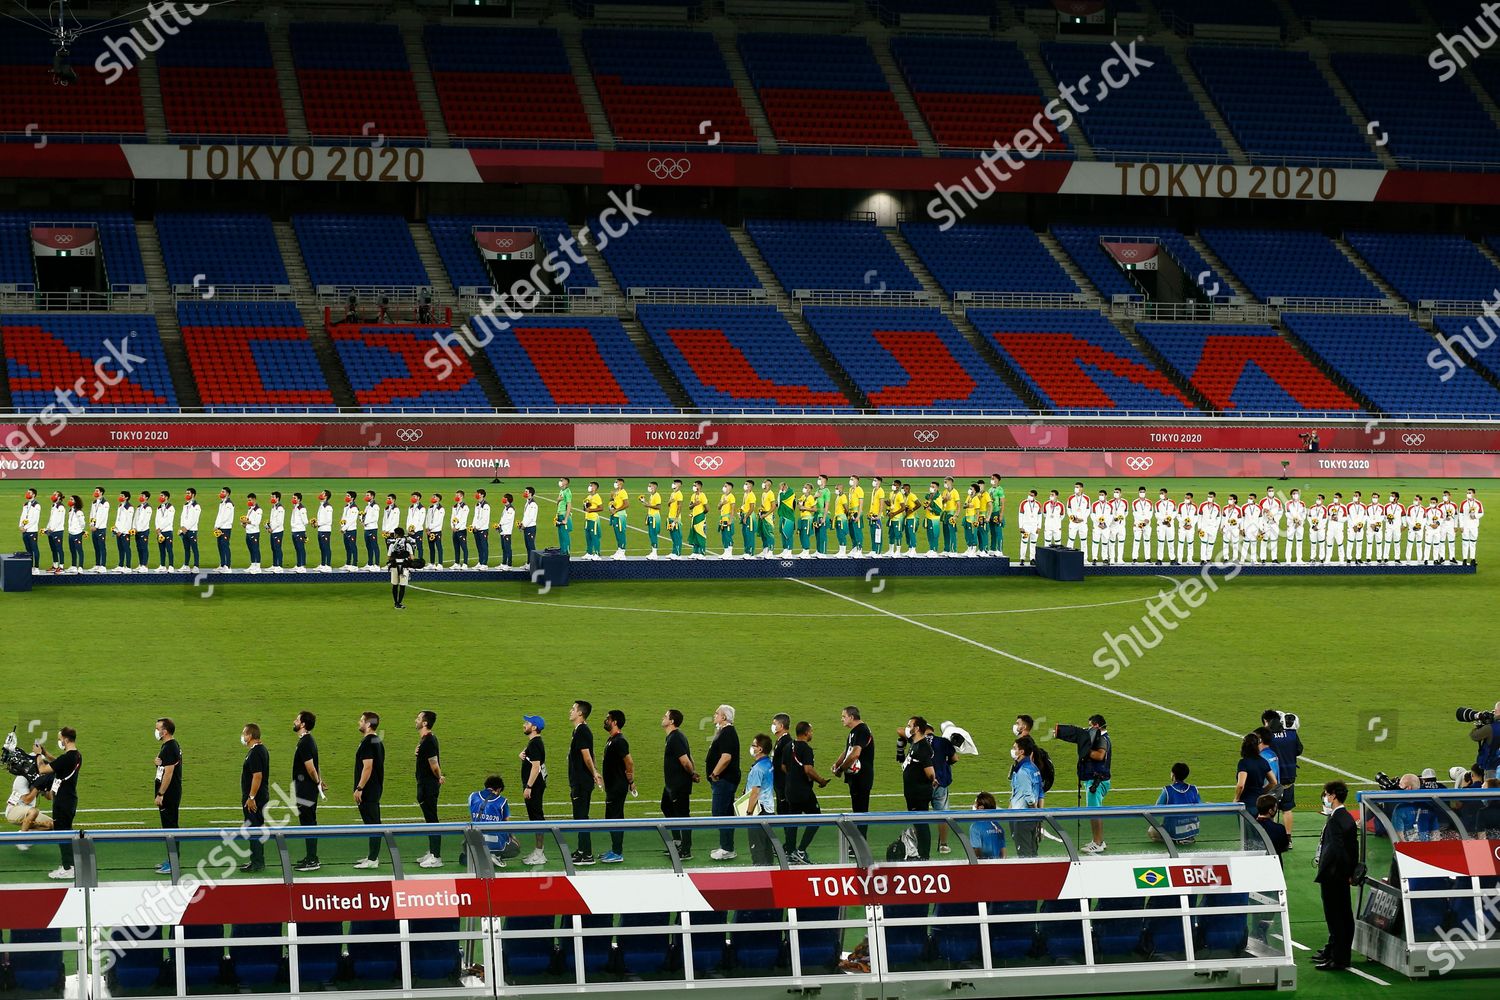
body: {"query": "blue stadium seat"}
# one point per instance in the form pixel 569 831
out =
pixel 710 947
pixel 677 253
pixel 353 72
pixel 454 238
pixel 375 961
pixel 528 956
pixel 118 244
pixel 910 359
pixel 1011 942
pixel 978 258
pixel 739 357
pixel 255 965
pixel 1118 937
pixel 645 954
pixel 470 64
pixel 37 971
pixel 1082 244
pixel 573 361
pixel 760 949
pixel 368 250
pixel 46 352
pixel 203 965
pixel 318 962
pixel 135 969
pixel 596 948
pixel 218 78
pixel 1222 933
pixel 252 356
pixel 387 369
pixel 819 948
pixel 1379 356
pixel 438 960
pixel 1425 120
pixel 831 255
pixel 905 945
pixel 1289 262
pixel 1245 367
pixel 1429 265
pixel 958 943
pixel 225 249
pixel 1163 935
pixel 1060 939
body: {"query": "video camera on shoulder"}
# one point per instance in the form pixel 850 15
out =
pixel 17 761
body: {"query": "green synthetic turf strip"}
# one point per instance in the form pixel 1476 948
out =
pixel 1338 651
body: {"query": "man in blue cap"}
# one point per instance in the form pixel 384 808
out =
pixel 534 779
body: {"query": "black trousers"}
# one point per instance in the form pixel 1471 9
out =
pixel 168 812
pixel 254 823
pixel 307 815
pixel 427 800
pixel 1338 912
pixel 859 801
pixel 788 833
pixel 807 807
pixel 614 808
pixel 62 819
pixel 582 796
pixel 677 805
pixel 369 814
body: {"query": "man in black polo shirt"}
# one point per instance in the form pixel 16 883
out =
pixel 307 784
pixel 583 776
pixel 64 769
pixel 534 780
pixel 801 775
pixel 857 763
pixel 255 792
pixel 918 779
pixel 781 752
pixel 619 781
pixel 429 781
pixel 679 775
pixel 168 781
pixel 723 767
pixel 369 781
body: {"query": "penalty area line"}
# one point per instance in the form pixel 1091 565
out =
pixel 1105 688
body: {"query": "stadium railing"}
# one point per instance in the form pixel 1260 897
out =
pixel 1207 912
pixel 1430 901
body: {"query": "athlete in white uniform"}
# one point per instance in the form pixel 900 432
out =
pixel 1141 510
pixel 1166 528
pixel 1210 517
pixel 1187 528
pixel 1338 516
pixel 1449 511
pixel 1470 513
pixel 1099 525
pixel 1053 513
pixel 1317 530
pixel 1029 521
pixel 1271 509
pixel 1250 530
pixel 1234 529
pixel 1118 509
pixel 1079 509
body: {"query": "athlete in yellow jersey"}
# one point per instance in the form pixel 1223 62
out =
pixel 856 497
pixel 981 526
pixel 652 500
pixel 765 521
pixel 698 518
pixel 840 518
pixel 951 502
pixel 726 518
pixel 877 516
pixel 972 507
pixel 807 506
pixel 593 531
pixel 911 503
pixel 618 502
pixel 749 510
pixel 674 518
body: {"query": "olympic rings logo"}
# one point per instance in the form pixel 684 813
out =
pixel 668 169
pixel 1139 463
pixel 1413 440
pixel 709 463
pixel 410 435
pixel 926 436
pixel 250 463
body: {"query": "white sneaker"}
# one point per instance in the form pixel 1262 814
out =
pixel 856 552
pixel 841 551
pixel 60 873
pixel 536 857
pixel 729 553
pixel 224 569
pixel 23 847
pixel 619 554
pixel 367 863
pixel 300 569
pixel 749 555
pixel 1094 848
pixel 719 854
pixel 651 554
pixel 278 569
pixel 325 569
pixel 430 862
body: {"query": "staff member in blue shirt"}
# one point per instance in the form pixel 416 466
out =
pixel 489 805
pixel 760 787
pixel 1025 793
pixel 1288 746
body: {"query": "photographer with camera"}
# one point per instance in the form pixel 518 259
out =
pixel 1095 759
pixel 21 807
pixel 402 554
pixel 1486 733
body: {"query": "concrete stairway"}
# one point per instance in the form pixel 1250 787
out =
pixel 638 336
pixel 880 44
pixel 437 274
pixel 286 80
pixel 151 103
pixel 765 138
pixel 312 316
pixel 1351 107
pixel 1031 48
pixel 1235 286
pixel 572 37
pixel 1206 104
pixel 411 24
pixel 164 309
pixel 1366 269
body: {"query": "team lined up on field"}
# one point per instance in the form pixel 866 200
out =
pixel 1259 529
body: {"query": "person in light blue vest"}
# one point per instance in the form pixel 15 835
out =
pixel 1181 827
pixel 489 805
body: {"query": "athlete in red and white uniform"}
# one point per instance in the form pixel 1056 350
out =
pixel 1356 522
pixel 1416 528
pixel 1187 528
pixel 1118 509
pixel 1141 511
pixel 1433 536
pixel 1234 529
pixel 1317 530
pixel 1053 513
pixel 1250 529
pixel 1338 518
pixel 1469 514
pixel 1099 521
pixel 1210 517
pixel 1296 526
pixel 1078 517
pixel 1029 520
pixel 1395 514
pixel 1166 528
pixel 1449 511
pixel 1270 524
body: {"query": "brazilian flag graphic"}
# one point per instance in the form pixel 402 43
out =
pixel 1151 878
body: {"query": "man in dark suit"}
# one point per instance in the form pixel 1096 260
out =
pixel 1338 854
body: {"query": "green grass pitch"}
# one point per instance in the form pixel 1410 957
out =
pixel 1341 652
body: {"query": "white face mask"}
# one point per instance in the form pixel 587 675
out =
pixel 1015 754
pixel 243 741
pixel 157 734
pixel 61 745
pixel 908 732
pixel 1015 728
